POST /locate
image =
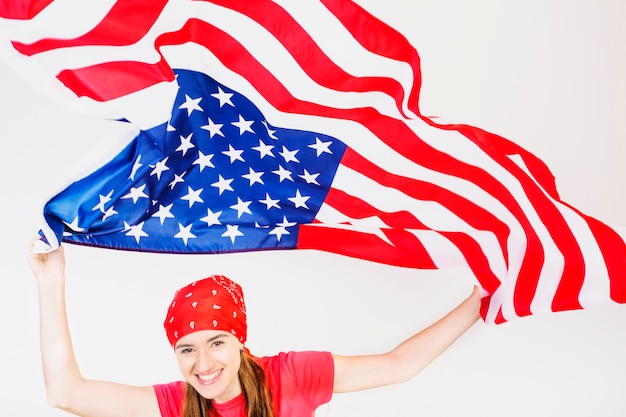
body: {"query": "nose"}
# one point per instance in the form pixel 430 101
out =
pixel 205 361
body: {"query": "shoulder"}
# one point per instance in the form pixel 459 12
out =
pixel 170 397
pixel 299 367
pixel 300 381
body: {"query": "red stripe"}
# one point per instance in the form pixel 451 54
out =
pixel 126 23
pixel 112 80
pixel 358 209
pixel 498 145
pixel 405 251
pixel 317 65
pixel 379 38
pixel 22 9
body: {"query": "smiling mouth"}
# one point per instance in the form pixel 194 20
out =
pixel 209 378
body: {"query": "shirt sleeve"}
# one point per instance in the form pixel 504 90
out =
pixel 170 397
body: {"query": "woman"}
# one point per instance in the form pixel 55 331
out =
pixel 206 326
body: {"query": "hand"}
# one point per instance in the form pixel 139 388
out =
pixel 476 299
pixel 46 265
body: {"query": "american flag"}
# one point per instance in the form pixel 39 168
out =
pixel 295 124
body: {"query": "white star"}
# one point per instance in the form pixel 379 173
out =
pixel 136 166
pixel 253 176
pixel 223 184
pixel 321 147
pixel 211 218
pixel 136 193
pixel 372 225
pixel 289 155
pixel 74 225
pixel 193 196
pixel 281 228
pixel 110 212
pixel 299 200
pixel 264 150
pixel 241 207
pixel 184 233
pixel 213 128
pixel 191 104
pixel 223 97
pixel 185 144
pixel 103 200
pixel 269 203
pixel 204 161
pixel 159 168
pixel 279 231
pixel 310 178
pixel 286 223
pixel 243 125
pixel 232 231
pixel 233 154
pixel 135 231
pixel 283 174
pixel 164 213
pixel 176 180
pixel 270 132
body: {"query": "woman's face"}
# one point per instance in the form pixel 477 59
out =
pixel 209 360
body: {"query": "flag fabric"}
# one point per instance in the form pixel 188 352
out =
pixel 295 125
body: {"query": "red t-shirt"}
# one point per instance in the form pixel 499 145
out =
pixel 300 382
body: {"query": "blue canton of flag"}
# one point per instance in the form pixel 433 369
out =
pixel 217 178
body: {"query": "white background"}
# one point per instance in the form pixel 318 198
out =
pixel 549 75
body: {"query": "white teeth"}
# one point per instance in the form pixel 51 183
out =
pixel 209 377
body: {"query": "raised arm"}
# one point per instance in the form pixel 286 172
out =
pixel 65 386
pixel 354 373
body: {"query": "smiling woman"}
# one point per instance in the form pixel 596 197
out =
pixel 206 325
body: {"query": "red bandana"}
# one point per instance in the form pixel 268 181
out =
pixel 213 303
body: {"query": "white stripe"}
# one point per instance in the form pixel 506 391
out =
pixel 61 19
pixel 347 53
pixel 596 288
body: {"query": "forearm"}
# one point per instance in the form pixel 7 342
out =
pixel 61 373
pixel 65 386
pixel 353 373
pixel 415 353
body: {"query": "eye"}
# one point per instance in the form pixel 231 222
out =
pixel 185 351
pixel 217 343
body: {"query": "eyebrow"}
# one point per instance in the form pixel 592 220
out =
pixel 209 340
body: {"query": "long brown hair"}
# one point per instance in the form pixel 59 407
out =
pixel 255 387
